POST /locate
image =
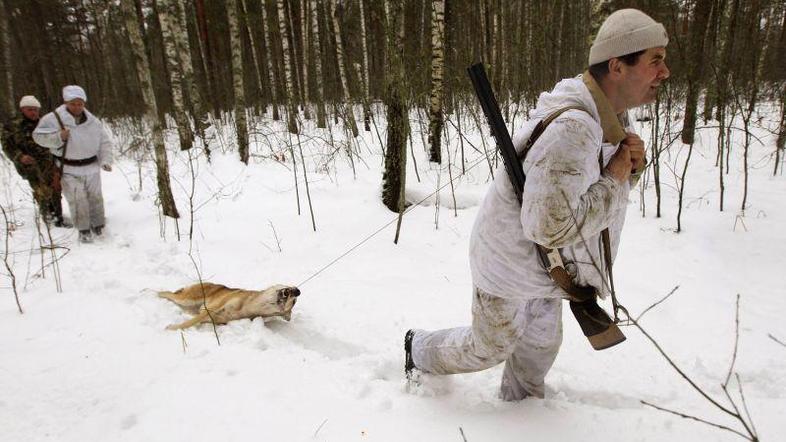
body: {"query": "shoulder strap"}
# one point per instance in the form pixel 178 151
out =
pixel 65 143
pixel 543 124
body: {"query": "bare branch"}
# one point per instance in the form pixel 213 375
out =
pixel 658 302
pixel 682 415
pixel 776 339
pixel 736 342
pixel 745 406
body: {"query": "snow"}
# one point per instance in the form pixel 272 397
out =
pixel 95 363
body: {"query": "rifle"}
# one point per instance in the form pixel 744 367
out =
pixel 595 323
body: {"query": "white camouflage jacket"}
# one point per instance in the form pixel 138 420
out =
pixel 88 139
pixel 567 201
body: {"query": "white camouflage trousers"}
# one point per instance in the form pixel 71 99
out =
pixel 85 200
pixel 526 334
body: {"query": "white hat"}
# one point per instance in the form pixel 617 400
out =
pixel 29 101
pixel 624 32
pixel 72 92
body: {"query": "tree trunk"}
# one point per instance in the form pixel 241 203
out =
pixel 304 19
pixel 781 143
pixel 271 71
pixel 7 107
pixel 342 69
pixel 436 117
pixel 254 45
pixel 198 110
pixel 366 97
pixel 394 177
pixel 288 74
pixel 167 15
pixel 696 56
pixel 319 99
pixel 237 81
pixel 165 196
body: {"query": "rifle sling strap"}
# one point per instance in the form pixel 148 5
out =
pixel 552 258
pixel 65 143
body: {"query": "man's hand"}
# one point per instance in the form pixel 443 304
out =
pixel 107 167
pixel 64 134
pixel 638 158
pixel 27 160
pixel 620 164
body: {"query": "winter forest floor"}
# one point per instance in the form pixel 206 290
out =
pixel 95 362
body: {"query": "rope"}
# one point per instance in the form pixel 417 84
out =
pixel 352 249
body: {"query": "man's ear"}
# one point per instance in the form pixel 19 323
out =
pixel 615 67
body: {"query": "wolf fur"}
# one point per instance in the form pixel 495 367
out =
pixel 224 304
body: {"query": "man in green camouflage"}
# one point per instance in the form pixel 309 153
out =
pixel 33 162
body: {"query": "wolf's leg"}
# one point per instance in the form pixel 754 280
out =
pixel 200 317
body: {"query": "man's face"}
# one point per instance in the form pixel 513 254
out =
pixel 639 83
pixel 75 107
pixel 30 112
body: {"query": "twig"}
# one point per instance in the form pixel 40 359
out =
pixel 204 297
pixel 658 302
pixel 5 261
pixel 776 339
pixel 745 405
pixel 736 341
pixel 275 235
pixel 464 437
pixel 675 367
pixel 183 341
pixel 723 427
pixel 320 427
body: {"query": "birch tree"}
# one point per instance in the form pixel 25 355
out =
pixel 167 16
pixel 304 18
pixel 342 69
pixel 271 71
pixel 394 177
pixel 436 117
pixel 319 99
pixel 288 74
pixel 198 109
pixel 366 97
pixel 237 81
pixel 151 119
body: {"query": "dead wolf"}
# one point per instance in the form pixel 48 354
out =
pixel 225 304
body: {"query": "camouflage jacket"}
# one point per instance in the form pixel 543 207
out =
pixel 17 139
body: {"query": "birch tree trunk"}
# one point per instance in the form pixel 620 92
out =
pixel 436 117
pixel 319 99
pixel 291 111
pixel 167 15
pixel 304 18
pixel 198 109
pixel 366 97
pixel 394 177
pixel 142 65
pixel 237 81
pixel 6 86
pixel 343 70
pixel 271 71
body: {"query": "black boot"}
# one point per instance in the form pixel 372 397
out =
pixel 85 236
pixel 596 324
pixel 409 365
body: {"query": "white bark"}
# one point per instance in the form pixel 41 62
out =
pixel 342 69
pixel 237 81
pixel 282 27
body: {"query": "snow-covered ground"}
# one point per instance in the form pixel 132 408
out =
pixel 94 362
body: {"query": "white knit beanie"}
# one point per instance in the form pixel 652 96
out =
pixel 29 101
pixel 72 92
pixel 624 32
